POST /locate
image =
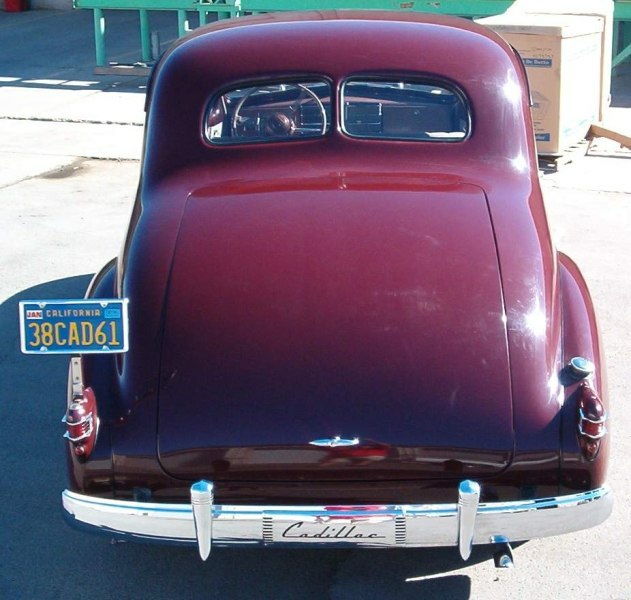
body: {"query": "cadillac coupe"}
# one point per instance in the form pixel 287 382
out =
pixel 348 324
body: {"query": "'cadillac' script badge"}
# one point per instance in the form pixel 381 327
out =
pixel 345 531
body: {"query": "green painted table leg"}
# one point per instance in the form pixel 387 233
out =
pixel 99 36
pixel 622 56
pixel 145 35
pixel 182 23
pixel 622 43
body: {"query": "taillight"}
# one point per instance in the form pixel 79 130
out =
pixel 592 419
pixel 82 421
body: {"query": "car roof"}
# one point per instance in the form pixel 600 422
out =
pixel 350 17
pixel 336 45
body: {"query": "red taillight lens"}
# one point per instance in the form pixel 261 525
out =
pixel 78 424
pixel 592 419
pixel 592 429
pixel 82 423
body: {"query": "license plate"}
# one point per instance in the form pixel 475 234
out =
pixel 73 326
pixel 335 531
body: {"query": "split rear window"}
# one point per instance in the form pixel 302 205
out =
pixel 371 108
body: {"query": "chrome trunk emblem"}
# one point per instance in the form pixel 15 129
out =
pixel 335 442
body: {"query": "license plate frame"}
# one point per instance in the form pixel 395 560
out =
pixel 74 326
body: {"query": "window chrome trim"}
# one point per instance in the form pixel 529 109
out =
pixel 293 80
pixel 412 79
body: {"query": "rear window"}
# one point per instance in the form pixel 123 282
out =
pixel 404 110
pixel 262 113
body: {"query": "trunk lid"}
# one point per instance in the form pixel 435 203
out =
pixel 308 312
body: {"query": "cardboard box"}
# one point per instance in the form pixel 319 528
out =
pixel 562 56
pixel 594 8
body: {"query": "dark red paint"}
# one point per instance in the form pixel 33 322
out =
pixel 406 293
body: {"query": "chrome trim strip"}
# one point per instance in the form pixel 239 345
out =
pixel 86 434
pixel 600 421
pixel 75 383
pixel 417 525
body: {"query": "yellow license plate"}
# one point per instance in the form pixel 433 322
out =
pixel 73 326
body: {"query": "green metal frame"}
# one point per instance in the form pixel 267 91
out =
pixel 621 32
pixel 463 8
pixel 223 9
pixel 235 8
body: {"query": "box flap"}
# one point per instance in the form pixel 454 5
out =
pixel 564 26
pixel 601 8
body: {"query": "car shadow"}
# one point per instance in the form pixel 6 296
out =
pixel 42 557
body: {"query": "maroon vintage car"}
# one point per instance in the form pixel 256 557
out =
pixel 347 321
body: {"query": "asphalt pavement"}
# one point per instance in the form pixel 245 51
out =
pixel 70 142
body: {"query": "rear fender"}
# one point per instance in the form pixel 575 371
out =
pixel 580 338
pixel 98 371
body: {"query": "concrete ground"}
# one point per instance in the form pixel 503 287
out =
pixel 69 148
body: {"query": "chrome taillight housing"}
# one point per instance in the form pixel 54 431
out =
pixel 81 423
pixel 81 418
pixel 592 419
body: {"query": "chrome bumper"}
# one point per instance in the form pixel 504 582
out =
pixel 461 523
